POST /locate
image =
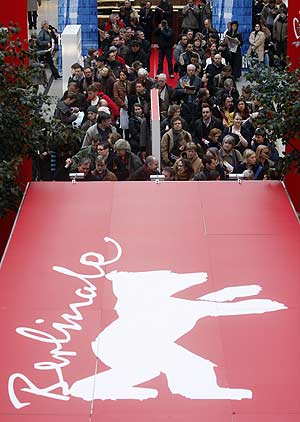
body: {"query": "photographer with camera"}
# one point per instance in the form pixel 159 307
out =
pixel 165 44
pixel 190 14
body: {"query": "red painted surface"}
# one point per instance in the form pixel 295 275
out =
pixel 154 65
pixel 15 12
pixel 238 234
pixel 293 180
pixel 294 32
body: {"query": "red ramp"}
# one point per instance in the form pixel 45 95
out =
pixel 151 302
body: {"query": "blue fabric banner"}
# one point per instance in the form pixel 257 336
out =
pixel 225 11
pixel 80 12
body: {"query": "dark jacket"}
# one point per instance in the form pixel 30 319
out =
pixel 63 175
pixel 144 100
pixel 274 155
pixel 164 11
pixel 135 123
pixel 128 166
pixel 202 131
pixel 43 40
pixel 258 171
pixel 63 112
pixel 106 176
pixel 165 37
pixel 146 21
pixel 132 56
pixel 142 174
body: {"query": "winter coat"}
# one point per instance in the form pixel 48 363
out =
pixel 269 14
pixel 142 174
pixel 205 13
pixel 167 144
pixel 135 123
pixel 202 131
pixel 88 152
pixel 43 41
pixel 178 50
pixel 257 44
pixel 280 31
pixel 120 91
pixel 165 37
pixel 146 20
pixel 106 176
pixel 32 5
pixel 64 113
pixel 164 10
pixel 93 132
pixel 234 158
pixel 190 17
pixel 196 164
pixel 133 56
pixel 128 166
pixel 107 84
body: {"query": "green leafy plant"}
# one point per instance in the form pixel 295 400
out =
pixel 25 128
pixel 278 91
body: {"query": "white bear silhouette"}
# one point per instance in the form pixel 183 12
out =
pixel 141 343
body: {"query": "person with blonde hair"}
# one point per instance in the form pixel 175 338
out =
pixel 191 154
pixel 238 131
pixel 250 163
pixel 184 170
pixel 262 157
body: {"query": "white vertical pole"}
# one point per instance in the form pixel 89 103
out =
pixel 155 124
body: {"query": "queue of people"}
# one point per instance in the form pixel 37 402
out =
pixel 209 129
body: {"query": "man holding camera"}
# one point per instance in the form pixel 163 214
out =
pixel 190 14
pixel 165 44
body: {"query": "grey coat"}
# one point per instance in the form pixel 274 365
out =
pixel 43 40
pixel 93 133
pixel 190 17
pixel 32 5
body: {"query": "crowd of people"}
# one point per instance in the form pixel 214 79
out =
pixel 209 130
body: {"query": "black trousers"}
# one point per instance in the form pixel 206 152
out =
pixel 48 59
pixel 162 53
pixel 32 17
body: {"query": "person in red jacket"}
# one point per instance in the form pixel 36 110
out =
pixel 94 97
pixel 114 21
